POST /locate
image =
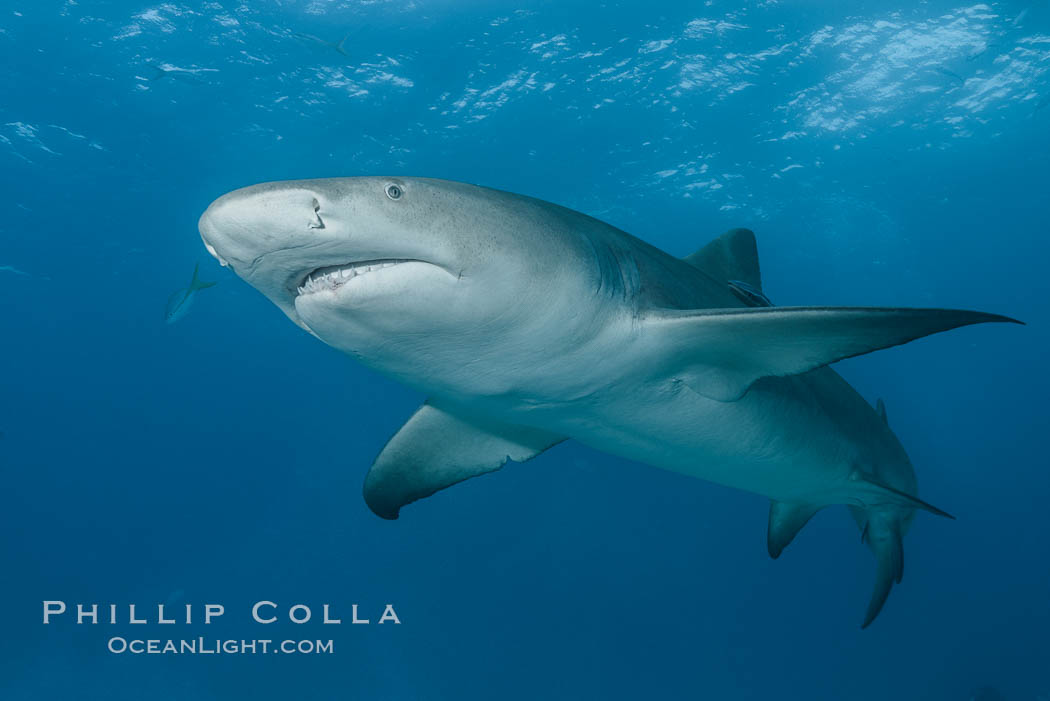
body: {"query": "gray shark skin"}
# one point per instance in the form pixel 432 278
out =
pixel 526 323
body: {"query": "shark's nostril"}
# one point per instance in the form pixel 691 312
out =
pixel 318 223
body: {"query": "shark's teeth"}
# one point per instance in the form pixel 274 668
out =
pixel 332 277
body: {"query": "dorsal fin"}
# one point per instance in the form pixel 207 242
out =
pixel 732 256
pixel 880 408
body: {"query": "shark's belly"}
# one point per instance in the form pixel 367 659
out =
pixel 795 438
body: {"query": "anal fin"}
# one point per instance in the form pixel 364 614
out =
pixel 880 409
pixel 786 519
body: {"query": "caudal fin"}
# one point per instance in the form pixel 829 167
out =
pixel 340 46
pixel 884 536
pixel 196 283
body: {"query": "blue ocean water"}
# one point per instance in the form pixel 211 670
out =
pixel 892 154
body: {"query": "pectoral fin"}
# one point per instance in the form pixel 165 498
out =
pixel 436 449
pixel 720 353
pixel 785 521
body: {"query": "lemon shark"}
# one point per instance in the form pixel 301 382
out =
pixel 526 323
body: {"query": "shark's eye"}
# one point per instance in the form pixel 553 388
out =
pixel 393 192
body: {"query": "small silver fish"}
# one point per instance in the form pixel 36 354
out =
pixel 179 302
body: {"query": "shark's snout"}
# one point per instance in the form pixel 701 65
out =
pixel 219 224
pixel 318 242
pixel 242 226
pixel 207 228
pixel 271 235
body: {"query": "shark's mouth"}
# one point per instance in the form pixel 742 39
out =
pixel 333 277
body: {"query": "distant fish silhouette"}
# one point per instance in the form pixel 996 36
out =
pixel 185 75
pixel 12 269
pixel 337 45
pixel 951 74
pixel 1016 23
pixel 179 302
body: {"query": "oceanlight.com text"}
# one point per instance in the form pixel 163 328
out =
pixel 213 646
